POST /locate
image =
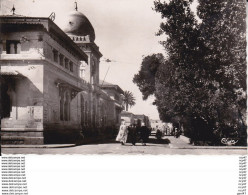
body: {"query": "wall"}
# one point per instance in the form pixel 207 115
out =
pixel 28 94
pixel 37 93
pixel 31 46
pixel 49 45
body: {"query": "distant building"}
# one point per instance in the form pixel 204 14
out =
pixel 156 124
pixel 142 119
pixel 165 127
pixel 50 88
pixel 116 94
pixel 128 117
pixel 138 119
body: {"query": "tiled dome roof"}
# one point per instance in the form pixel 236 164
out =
pixel 79 25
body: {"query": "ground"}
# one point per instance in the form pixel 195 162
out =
pixel 169 145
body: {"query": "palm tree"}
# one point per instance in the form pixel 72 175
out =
pixel 129 99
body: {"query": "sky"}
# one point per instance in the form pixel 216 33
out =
pixel 125 32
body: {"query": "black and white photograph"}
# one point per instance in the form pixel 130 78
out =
pixel 123 77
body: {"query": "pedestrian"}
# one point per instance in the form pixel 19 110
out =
pixel 122 135
pixel 144 134
pixel 158 134
pixel 132 133
pixel 175 132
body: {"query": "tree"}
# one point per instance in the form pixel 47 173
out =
pixel 129 99
pixel 180 80
pixel 208 63
pixel 145 79
pixel 223 31
pixel 202 82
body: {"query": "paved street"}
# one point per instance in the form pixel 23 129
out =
pixel 169 145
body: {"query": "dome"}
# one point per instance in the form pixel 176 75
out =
pixel 79 25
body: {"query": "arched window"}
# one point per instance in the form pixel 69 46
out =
pixel 55 55
pixel 89 115
pixel 65 103
pixel 67 106
pixel 61 59
pixel 102 115
pixel 18 48
pixel 61 108
pixel 93 72
pixel 12 48
pixel 105 114
pixel 94 113
pixel 82 69
pixel 82 111
pixel 71 66
pixel 1 48
pixel 86 113
pixel 66 63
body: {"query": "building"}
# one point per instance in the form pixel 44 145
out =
pixel 128 117
pixel 142 119
pixel 138 119
pixel 156 124
pixel 116 94
pixel 166 128
pixel 50 89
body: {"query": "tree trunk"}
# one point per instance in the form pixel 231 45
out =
pixel 126 107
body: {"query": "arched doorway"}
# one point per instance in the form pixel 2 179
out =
pixel 6 100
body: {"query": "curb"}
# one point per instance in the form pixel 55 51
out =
pixel 39 146
pixel 187 140
pixel 209 147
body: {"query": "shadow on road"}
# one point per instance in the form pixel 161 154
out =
pixel 100 141
pixel 112 141
pixel 158 141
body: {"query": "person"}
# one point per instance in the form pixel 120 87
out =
pixel 132 133
pixel 175 132
pixel 144 134
pixel 158 134
pixel 178 133
pixel 122 135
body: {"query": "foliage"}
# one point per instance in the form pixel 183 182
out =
pixel 128 99
pixel 179 80
pixel 145 79
pixel 202 83
pixel 223 31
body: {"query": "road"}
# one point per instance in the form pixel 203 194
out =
pixel 169 145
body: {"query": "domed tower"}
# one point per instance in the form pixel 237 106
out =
pixel 78 27
pixel 80 30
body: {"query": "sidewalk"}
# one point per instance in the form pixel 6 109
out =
pixel 183 143
pixel 85 142
pixel 39 146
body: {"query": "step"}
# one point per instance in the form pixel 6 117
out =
pixel 21 140
pixel 22 133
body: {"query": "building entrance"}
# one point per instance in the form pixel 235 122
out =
pixel 6 103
